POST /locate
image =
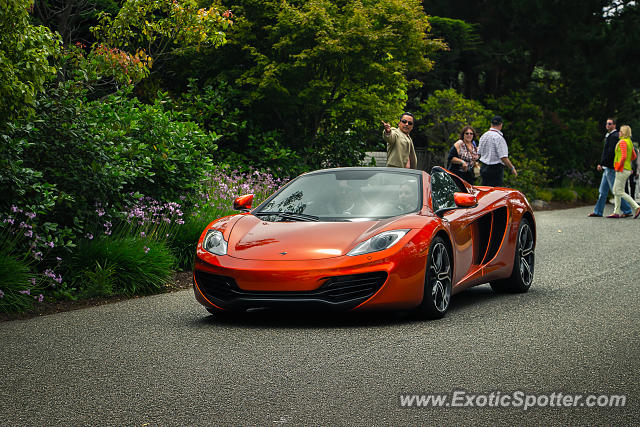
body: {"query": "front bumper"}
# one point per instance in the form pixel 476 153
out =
pixel 338 292
pixel 341 283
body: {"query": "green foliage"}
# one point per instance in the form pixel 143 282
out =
pixel 544 194
pixel 19 284
pixel 587 194
pixel 25 50
pixel 15 284
pixel 98 281
pixel 443 115
pixel 531 175
pixel 184 240
pixel 336 149
pixel 127 265
pixel 452 66
pixel 567 195
pixel 109 148
pixel 311 66
pixel 523 129
pixel 163 27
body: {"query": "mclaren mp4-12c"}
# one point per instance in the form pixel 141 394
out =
pixel 366 238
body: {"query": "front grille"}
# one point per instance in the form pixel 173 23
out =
pixel 347 290
pixel 344 288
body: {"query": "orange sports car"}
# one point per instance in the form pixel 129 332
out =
pixel 366 238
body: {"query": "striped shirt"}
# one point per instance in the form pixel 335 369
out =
pixel 492 147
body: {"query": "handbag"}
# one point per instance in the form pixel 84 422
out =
pixel 476 169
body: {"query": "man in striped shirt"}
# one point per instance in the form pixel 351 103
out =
pixel 494 155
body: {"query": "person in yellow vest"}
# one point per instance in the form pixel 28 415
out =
pixel 624 154
pixel 400 150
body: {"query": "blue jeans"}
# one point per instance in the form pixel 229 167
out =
pixel 606 184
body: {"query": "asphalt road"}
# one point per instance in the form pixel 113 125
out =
pixel 162 360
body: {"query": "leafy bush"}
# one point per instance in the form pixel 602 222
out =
pixel 185 239
pixel 219 189
pixel 79 155
pixel 443 115
pixel 17 291
pixel 336 149
pixel 544 194
pixel 133 265
pixel 98 282
pixel 531 175
pixel 564 195
pixel 587 194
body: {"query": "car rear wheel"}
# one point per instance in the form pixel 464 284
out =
pixel 523 263
pixel 437 283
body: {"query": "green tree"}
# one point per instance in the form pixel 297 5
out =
pixel 314 67
pixel 443 115
pixel 24 53
pixel 163 28
pixel 454 66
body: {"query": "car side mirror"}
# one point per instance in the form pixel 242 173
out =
pixel 243 203
pixel 465 200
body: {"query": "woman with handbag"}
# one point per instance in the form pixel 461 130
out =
pixel 463 156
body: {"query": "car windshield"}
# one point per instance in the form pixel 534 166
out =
pixel 348 195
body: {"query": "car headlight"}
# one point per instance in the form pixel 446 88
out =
pixel 214 242
pixel 378 242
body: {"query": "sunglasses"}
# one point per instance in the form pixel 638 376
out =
pixel 609 123
pixel 468 133
pixel 406 122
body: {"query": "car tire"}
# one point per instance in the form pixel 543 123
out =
pixel 523 263
pixel 437 281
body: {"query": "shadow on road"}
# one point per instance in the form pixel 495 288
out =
pixel 298 319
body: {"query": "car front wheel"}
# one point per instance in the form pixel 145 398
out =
pixel 438 281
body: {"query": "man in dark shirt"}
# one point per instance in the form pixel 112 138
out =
pixel 608 172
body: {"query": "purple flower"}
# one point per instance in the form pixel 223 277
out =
pixel 40 298
pixel 51 244
pixel 1 294
pixel 89 236
pixel 28 233
pixel 33 281
pixel 31 215
pixel 142 234
pixel 38 256
pixel 27 292
pixel 146 250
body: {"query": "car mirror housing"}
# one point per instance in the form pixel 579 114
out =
pixel 464 200
pixel 243 203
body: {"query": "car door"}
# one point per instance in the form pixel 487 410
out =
pixel 443 186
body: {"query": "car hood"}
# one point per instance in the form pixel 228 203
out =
pixel 254 239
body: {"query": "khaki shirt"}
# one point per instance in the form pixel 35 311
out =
pixel 399 149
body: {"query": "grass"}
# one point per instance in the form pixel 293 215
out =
pixel 122 265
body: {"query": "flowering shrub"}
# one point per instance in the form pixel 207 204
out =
pixel 218 190
pixel 222 185
pixel 24 253
pixel 128 251
pixel 126 265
